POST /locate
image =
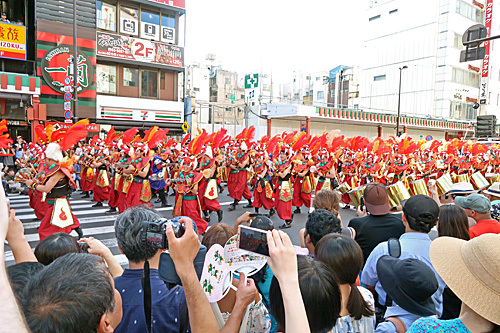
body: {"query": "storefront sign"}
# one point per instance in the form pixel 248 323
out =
pixel 475 3
pixel 65 126
pixel 57 64
pixel 168 35
pixel 173 3
pixel 141 115
pixel 471 100
pixel 130 48
pixel 474 68
pixel 483 88
pixel 12 41
pixel 17 123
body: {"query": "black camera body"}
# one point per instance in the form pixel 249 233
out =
pixel 153 233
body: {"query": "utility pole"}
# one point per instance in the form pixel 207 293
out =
pixel 399 99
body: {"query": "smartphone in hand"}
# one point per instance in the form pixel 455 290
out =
pixel 253 240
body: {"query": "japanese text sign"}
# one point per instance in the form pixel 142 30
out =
pixel 12 41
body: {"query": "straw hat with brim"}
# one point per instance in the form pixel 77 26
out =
pixel 410 283
pixel 494 189
pixel 472 271
pixel 462 188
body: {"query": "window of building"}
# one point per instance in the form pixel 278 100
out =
pixel 373 18
pixel 106 16
pixel 129 21
pixel 457 42
pixel 167 33
pixel 227 80
pixel 469 11
pixel 150 25
pixel 318 78
pixel 379 78
pixel 467 78
pixel 320 95
pixel 196 89
pixel 130 77
pixel 463 111
pixel 393 11
pixel 106 79
pixel 149 83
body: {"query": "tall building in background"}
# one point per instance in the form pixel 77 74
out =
pixel 19 85
pixel 130 61
pixel 420 41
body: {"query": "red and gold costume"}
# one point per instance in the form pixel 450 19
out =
pixel 186 197
pixel 283 188
pixel 263 192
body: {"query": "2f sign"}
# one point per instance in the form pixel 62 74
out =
pixel 143 50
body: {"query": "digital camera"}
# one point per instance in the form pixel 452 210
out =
pixel 153 233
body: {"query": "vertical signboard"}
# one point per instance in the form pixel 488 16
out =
pixel 251 88
pixel 483 89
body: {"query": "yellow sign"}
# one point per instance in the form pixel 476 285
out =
pixel 185 127
pixel 12 41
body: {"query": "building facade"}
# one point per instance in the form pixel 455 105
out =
pixel 19 84
pixel 421 43
pixel 130 62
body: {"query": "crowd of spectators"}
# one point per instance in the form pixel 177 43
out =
pixel 421 268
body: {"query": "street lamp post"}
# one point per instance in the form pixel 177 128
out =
pixel 399 99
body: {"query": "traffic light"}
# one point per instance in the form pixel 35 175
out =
pixel 486 126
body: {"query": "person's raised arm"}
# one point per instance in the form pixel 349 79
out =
pixel 183 251
pixel 21 249
pixel 283 263
pixel 246 293
pixel 243 219
pixel 98 248
pixel 11 318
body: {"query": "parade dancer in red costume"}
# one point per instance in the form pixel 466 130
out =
pixel 349 174
pixel 238 178
pixel 303 184
pixel 284 195
pixel 87 173
pixel 57 181
pixel 101 185
pixel 208 187
pixel 263 191
pixel 187 182
pixel 140 189
pixel 326 171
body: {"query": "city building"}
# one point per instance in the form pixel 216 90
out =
pixel 19 84
pixel 414 50
pixel 130 62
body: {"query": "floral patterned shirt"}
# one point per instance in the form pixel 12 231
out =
pixel 438 326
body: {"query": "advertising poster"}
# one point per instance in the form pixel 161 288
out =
pixel 130 48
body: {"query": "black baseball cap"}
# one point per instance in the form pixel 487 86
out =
pixel 422 208
pixel 408 282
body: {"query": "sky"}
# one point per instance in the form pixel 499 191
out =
pixel 275 36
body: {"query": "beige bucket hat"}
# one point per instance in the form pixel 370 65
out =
pixel 472 271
